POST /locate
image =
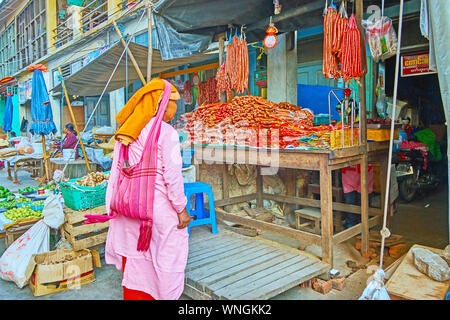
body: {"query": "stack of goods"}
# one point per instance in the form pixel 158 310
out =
pixel 4 192
pixel 92 179
pixel 207 91
pixel 254 122
pixel 23 212
pixel 86 192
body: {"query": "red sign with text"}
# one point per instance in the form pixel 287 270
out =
pixel 416 64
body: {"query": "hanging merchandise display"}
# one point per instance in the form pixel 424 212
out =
pixel 237 64
pixel 207 91
pixel 330 60
pixel 352 67
pixel 381 38
pixel 187 95
pixel 223 80
pixel 338 32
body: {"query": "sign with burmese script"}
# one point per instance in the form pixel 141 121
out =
pixel 417 64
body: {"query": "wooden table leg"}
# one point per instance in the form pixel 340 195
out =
pixel 16 167
pixel 9 170
pixel 364 206
pixel 259 188
pixel 225 183
pixel 326 207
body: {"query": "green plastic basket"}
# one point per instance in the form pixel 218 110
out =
pixel 78 197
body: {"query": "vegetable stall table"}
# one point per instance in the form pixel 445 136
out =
pixel 33 163
pixel 324 161
pixel 75 168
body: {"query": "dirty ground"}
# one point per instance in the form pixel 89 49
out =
pixel 424 221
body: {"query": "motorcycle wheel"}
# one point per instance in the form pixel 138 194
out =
pixel 407 190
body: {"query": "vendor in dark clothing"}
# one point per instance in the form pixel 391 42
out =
pixel 69 141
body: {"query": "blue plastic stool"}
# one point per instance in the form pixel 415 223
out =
pixel 203 216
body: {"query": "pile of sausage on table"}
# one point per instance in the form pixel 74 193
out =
pixel 251 121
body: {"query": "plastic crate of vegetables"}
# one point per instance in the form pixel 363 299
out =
pixel 37 205
pixel 79 197
pixel 22 202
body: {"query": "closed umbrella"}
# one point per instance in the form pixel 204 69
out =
pixel 7 117
pixel 41 109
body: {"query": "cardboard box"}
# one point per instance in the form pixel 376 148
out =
pixel 62 269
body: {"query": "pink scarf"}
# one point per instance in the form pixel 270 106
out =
pixel 135 188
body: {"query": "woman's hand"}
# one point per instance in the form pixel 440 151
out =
pixel 184 219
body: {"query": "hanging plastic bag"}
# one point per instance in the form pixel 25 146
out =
pixel 24 146
pixel 375 290
pixel 381 38
pixel 15 262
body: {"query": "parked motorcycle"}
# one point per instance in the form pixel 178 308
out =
pixel 414 173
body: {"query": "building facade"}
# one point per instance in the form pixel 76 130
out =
pixel 66 34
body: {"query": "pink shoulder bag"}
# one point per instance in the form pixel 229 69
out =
pixel 135 188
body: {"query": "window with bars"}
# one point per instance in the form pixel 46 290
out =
pixel 31 33
pixel 8 59
pixel 64 28
pixel 93 14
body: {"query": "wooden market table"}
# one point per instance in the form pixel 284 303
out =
pixel 75 169
pixel 324 161
pixel 34 165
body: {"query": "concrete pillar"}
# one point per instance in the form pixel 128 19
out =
pixel 52 21
pixel 282 70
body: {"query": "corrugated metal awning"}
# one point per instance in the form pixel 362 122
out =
pixel 92 78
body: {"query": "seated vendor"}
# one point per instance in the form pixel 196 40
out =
pixel 351 183
pixel 69 141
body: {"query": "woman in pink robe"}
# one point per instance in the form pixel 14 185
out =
pixel 159 271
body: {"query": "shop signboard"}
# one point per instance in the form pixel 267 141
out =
pixel 417 64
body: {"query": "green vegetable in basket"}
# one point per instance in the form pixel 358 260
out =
pixel 20 200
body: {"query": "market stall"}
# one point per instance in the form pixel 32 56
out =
pixel 253 131
pixel 249 147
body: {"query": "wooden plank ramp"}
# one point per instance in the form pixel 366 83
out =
pixel 230 266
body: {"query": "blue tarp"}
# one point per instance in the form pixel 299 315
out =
pixel 41 109
pixel 8 116
pixel 316 99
